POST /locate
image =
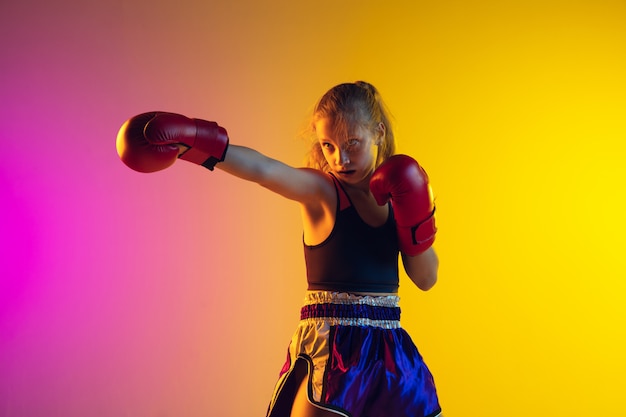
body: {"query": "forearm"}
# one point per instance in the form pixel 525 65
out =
pixel 422 268
pixel 247 163
pixel 296 184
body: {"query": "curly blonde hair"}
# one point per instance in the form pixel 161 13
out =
pixel 349 105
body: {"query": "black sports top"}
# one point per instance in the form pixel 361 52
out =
pixel 355 257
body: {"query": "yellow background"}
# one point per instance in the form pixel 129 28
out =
pixel 175 293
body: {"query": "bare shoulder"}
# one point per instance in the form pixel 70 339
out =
pixel 307 186
pixel 318 187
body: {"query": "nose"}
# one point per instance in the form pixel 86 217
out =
pixel 344 157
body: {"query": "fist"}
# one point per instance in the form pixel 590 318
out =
pixel 152 141
pixel 403 181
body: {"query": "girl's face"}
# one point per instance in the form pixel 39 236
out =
pixel 351 154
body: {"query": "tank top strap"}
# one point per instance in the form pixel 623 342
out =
pixel 344 200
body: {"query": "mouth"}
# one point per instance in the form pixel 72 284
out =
pixel 346 173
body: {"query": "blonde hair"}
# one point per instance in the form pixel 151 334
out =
pixel 349 105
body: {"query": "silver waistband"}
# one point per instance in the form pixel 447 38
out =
pixel 328 297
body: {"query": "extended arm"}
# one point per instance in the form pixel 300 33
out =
pixel 155 140
pixel 299 184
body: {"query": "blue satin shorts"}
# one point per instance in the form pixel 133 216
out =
pixel 360 361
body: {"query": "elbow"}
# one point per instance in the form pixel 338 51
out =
pixel 422 269
pixel 427 281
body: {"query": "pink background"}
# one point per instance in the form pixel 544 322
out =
pixel 176 293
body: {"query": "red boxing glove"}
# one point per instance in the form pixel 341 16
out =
pixel 149 142
pixel 401 179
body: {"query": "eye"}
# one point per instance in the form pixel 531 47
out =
pixel 326 145
pixel 351 143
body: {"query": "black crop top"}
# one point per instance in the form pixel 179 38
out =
pixel 355 257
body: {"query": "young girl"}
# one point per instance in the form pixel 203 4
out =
pixel 361 206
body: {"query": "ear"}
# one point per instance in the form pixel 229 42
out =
pixel 380 130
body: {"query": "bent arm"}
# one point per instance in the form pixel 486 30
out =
pixel 422 268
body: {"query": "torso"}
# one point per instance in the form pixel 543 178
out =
pixel 319 219
pixel 371 213
pixel 356 252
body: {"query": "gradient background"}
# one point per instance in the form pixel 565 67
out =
pixel 176 293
